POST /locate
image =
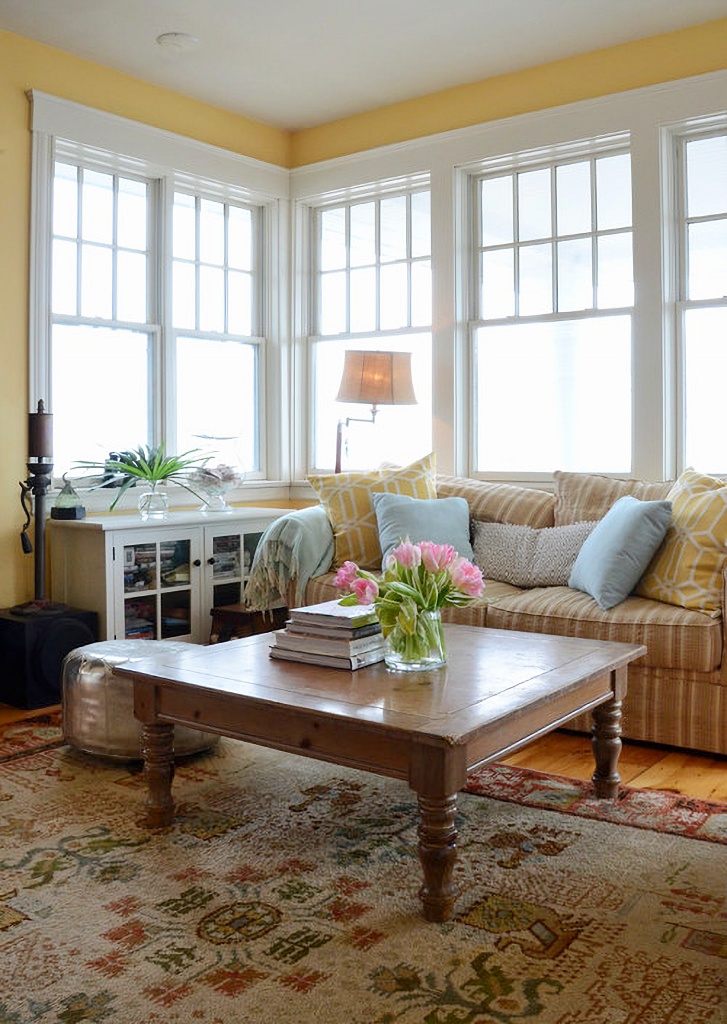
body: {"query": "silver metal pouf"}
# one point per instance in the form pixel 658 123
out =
pixel 98 707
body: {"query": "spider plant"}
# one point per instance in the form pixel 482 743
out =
pixel 147 464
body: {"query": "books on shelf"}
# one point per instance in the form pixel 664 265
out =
pixel 330 634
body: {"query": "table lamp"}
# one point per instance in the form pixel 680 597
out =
pixel 375 378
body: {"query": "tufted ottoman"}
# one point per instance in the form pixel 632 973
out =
pixel 98 707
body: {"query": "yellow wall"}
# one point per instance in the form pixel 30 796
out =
pixel 27 65
pixel 663 58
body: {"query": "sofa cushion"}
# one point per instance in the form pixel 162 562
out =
pixel 615 555
pixel 526 557
pixel 687 570
pixel 675 637
pixel 500 503
pixel 346 498
pixel 586 496
pixel 440 520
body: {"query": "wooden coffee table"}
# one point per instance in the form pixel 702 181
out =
pixel 499 690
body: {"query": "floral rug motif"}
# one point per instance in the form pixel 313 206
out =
pixel 286 891
pixel 41 732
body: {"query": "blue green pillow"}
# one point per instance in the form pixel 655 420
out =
pixel 440 520
pixel 617 552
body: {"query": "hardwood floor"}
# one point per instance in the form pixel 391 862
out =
pixel 642 765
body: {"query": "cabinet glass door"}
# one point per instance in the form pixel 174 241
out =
pixel 229 555
pixel 160 595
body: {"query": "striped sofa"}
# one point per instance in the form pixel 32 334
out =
pixel 678 689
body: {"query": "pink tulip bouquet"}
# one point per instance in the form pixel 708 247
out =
pixel 418 581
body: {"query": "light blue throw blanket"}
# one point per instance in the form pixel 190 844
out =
pixel 293 548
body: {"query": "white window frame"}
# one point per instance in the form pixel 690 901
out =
pixel 114 143
pixel 674 139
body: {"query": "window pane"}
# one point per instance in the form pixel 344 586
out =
pixel 184 226
pixel 421 234
pixel 131 230
pixel 184 295
pixel 705 347
pixel 498 284
pixel 615 271
pixel 363 234
pixel 496 199
pixel 400 434
pixel 569 378
pixel 573 192
pixel 333 304
pixel 211 232
pixel 100 392
pixel 97 208
pixel 239 302
pixel 421 294
pixel 333 239
pixel 393 229
pixel 536 280
pixel 239 244
pixel 217 397
pixel 96 281
pixel 64 277
pixel 211 299
pixel 707 176
pixel 65 201
pixel 394 296
pixel 363 299
pixel 131 285
pixel 575 274
pixel 613 192
pixel 707 259
pixel 534 218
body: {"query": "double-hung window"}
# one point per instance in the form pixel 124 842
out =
pixel 702 291
pixel 552 312
pixel 149 300
pixel 372 291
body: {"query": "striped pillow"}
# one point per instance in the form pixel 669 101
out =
pixel 347 500
pixel 588 496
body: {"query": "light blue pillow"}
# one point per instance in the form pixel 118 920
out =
pixel 616 554
pixel 441 520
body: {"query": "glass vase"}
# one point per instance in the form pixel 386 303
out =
pixel 420 649
pixel 154 503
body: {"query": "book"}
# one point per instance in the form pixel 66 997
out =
pixel 343 647
pixel 335 632
pixel 334 614
pixel 330 660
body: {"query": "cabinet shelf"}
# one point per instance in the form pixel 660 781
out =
pixel 95 562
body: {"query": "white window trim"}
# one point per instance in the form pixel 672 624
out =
pixel 641 115
pixel 175 160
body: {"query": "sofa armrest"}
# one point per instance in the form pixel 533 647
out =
pixel 294 548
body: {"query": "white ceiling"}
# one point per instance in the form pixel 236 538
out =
pixel 297 63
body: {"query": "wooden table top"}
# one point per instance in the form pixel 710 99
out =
pixel 490 674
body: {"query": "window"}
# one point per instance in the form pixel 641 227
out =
pixel 702 204
pixel 553 314
pixel 373 291
pixel 150 299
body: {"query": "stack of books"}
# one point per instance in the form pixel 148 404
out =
pixel 331 634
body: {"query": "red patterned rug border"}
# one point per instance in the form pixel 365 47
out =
pixel 31 735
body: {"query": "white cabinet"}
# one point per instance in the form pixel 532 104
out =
pixel 159 580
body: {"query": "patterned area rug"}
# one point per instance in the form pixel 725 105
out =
pixel 31 734
pixel 285 892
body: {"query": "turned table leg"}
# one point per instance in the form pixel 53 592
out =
pixel 157 744
pixel 606 743
pixel 437 853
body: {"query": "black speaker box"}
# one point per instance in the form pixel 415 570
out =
pixel 32 649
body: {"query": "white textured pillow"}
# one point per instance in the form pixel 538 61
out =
pixel 526 557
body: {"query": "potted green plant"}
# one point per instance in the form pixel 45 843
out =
pixel 151 465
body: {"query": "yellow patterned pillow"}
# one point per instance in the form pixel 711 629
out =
pixel 687 569
pixel 346 498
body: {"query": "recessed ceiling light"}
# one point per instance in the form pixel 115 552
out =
pixel 179 42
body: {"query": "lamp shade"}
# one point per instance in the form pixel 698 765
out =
pixel 377 378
